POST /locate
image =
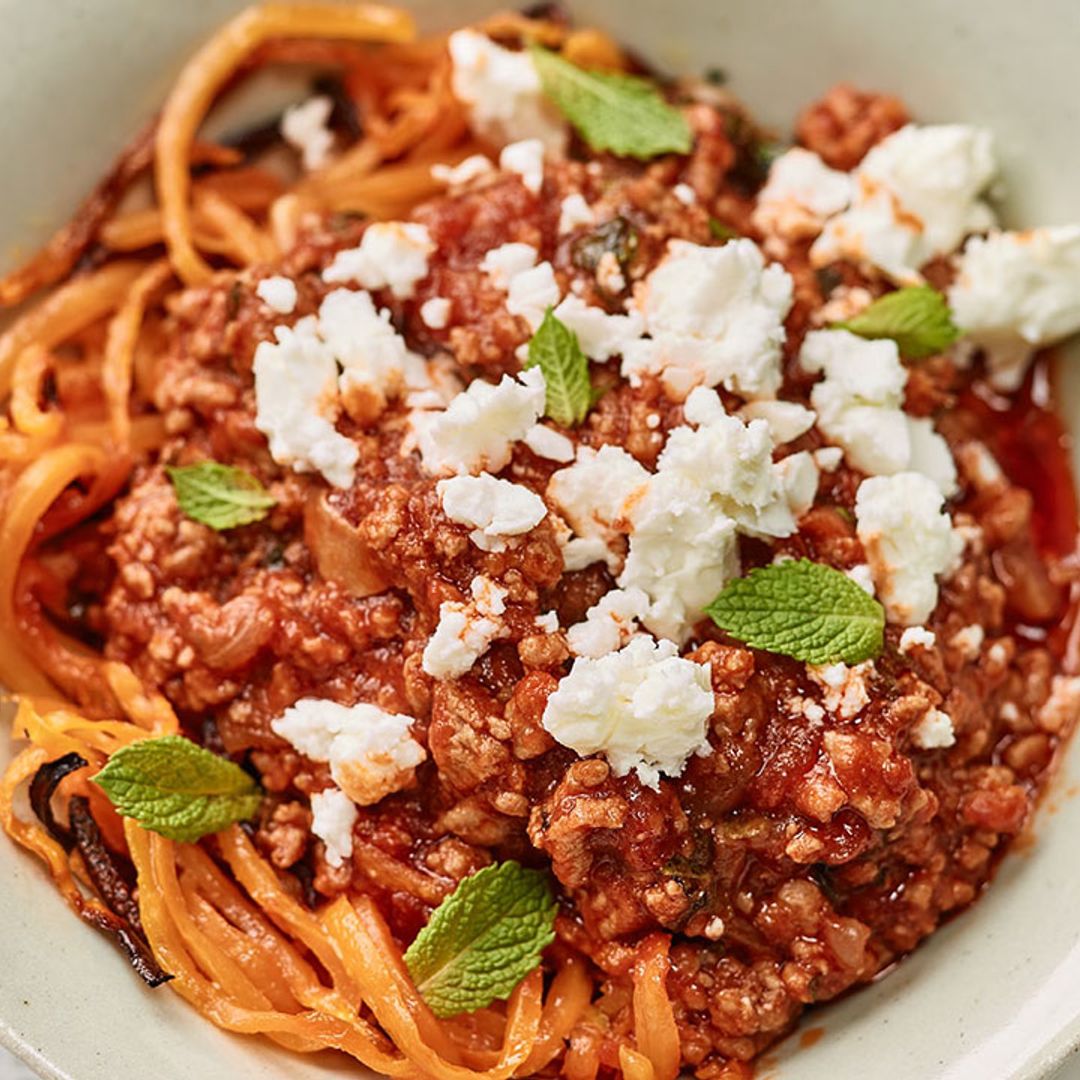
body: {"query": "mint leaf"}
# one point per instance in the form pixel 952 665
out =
pixel 620 113
pixel 917 318
pixel 483 939
pixel 801 609
pixel 173 787
pixel 221 496
pixel 554 347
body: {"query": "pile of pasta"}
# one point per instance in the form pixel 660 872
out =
pixel 77 371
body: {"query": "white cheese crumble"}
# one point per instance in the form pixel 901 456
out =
pixel 609 624
pixel 859 406
pixel 503 263
pixel 547 443
pixel 333 815
pixel 297 403
pixel 494 509
pixel 392 254
pixel 278 293
pixel 531 292
pixel 435 313
pixel 715 315
pixel 787 420
pixel 595 495
pixel 934 731
pixel 1015 292
pixel 828 458
pixel 371 753
pixel 600 335
pixel 548 622
pixel 862 577
pixel 502 91
pixel 968 641
pixel 465 631
pixel 843 687
pixel 305 127
pixel 644 708
pixel 909 541
pixel 609 275
pixel 1061 709
pixel 800 193
pixel 526 158
pixel 574 212
pixel 479 427
pixel 685 194
pixel 917 195
pixel 464 172
pixel 915 637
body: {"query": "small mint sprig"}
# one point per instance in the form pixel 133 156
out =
pixel 804 610
pixel 555 350
pixel 917 318
pixel 483 939
pixel 221 496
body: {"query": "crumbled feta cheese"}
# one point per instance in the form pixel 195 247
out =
pixel 844 687
pixel 296 403
pixel 859 406
pixel 376 363
pixel 503 263
pixel 828 458
pixel 548 622
pixel 685 194
pixel 464 172
pixel 526 158
pixel 980 466
pixel 968 641
pixel 465 631
pixel 934 731
pixel 609 275
pixel 787 420
pixel 306 127
pixel 435 312
pixel 532 292
pixel 715 315
pixel 494 509
pixel 807 708
pixel 333 815
pixel 917 195
pixel 862 577
pixel 1062 708
pixel 595 495
pixel 478 429
pixel 908 539
pixel 600 335
pixel 547 443
pixel 574 212
pixel 371 753
pixel 609 624
pixel 644 708
pixel 800 193
pixel 844 303
pixel 1015 292
pixel 502 91
pixel 915 637
pixel 392 254
pixel 278 293
pixel 799 478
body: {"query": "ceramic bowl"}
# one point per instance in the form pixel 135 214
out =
pixel 995 995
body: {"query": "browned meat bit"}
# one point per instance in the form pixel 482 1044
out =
pixel 847 122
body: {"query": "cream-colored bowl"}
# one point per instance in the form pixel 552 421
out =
pixel 996 994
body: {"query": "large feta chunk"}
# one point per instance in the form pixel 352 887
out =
pixel 609 624
pixel 371 753
pixel 278 293
pixel 392 255
pixel 502 91
pixel 909 542
pixel 297 404
pixel 1015 292
pixel 503 263
pixel 306 128
pixel 715 315
pixel 476 432
pixel 333 815
pixel 644 708
pixel 600 335
pixel 526 158
pixel 531 292
pixel 466 630
pixel 859 406
pixel 494 509
pixel 917 195
pixel 800 193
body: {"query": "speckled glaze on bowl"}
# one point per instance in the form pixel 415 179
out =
pixel 995 995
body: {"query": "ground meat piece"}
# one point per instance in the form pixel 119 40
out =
pixel 847 122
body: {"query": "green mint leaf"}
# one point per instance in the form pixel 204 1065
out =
pixel 917 318
pixel 801 609
pixel 555 349
pixel 221 496
pixel 610 111
pixel 173 787
pixel 483 939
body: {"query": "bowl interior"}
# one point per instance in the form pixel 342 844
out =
pixel 995 993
